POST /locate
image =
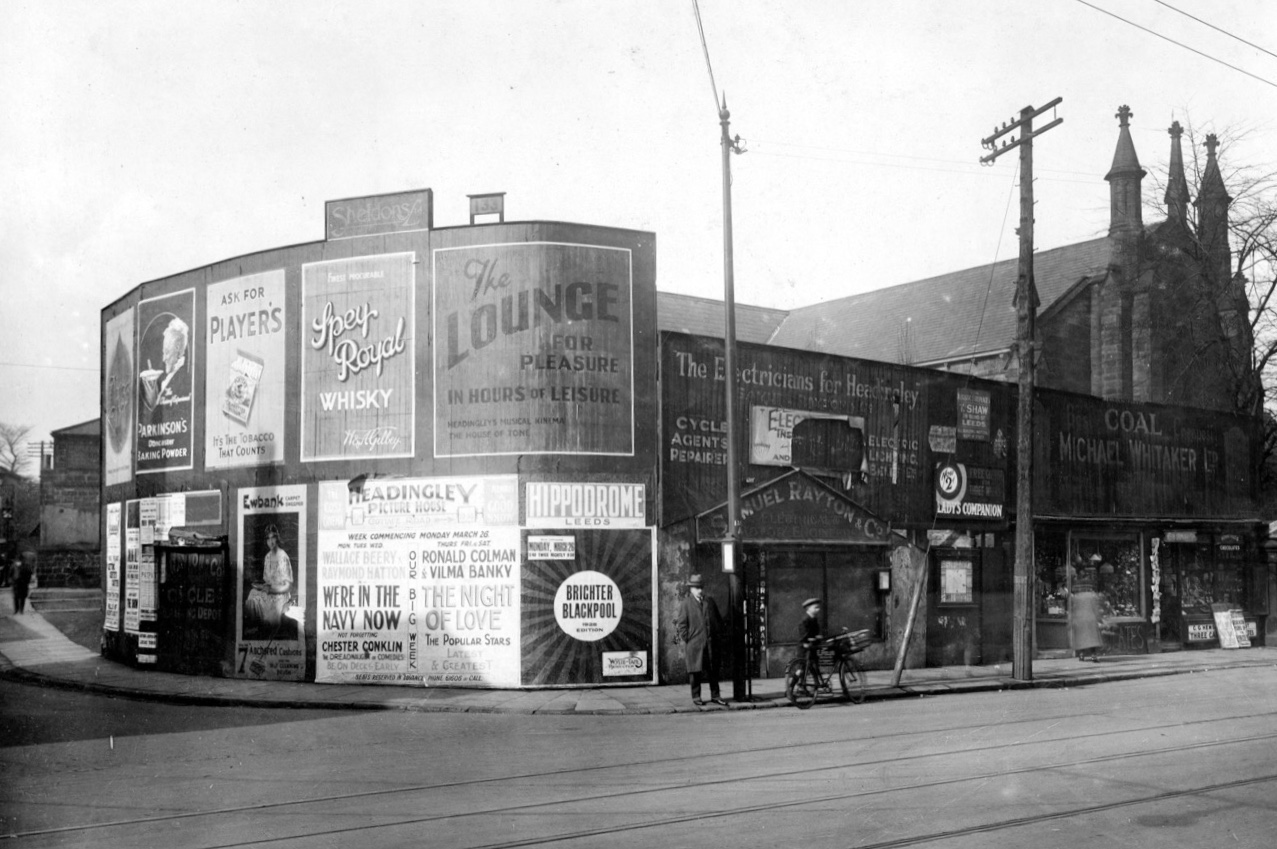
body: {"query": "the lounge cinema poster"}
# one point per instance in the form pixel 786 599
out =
pixel 244 386
pixel 419 582
pixel 358 394
pixel 533 350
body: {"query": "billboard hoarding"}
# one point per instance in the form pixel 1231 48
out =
pixel 358 397
pixel 244 388
pixel 165 367
pixel 533 350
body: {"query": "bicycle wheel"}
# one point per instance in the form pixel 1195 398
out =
pixel 800 687
pixel 852 678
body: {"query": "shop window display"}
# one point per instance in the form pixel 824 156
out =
pixel 1052 577
pixel 1114 566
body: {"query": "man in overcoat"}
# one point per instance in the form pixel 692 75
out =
pixel 700 629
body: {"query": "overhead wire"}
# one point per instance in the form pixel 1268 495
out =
pixel 696 7
pixel 1178 43
pixel 1217 29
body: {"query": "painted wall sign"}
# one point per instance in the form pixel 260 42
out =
pixel 244 391
pixel 1102 457
pixel 271 566
pixel 419 582
pixel 403 212
pixel 358 397
pixel 166 364
pixel 533 350
pixel 119 400
pixel 890 402
pixel 796 507
pixel 589 505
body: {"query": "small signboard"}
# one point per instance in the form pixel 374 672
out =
pixel 377 215
pixel 973 414
pixel 1230 624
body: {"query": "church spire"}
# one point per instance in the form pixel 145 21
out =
pixel 1176 185
pixel 1124 180
pixel 1212 214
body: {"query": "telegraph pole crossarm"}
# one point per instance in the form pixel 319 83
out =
pixel 1026 304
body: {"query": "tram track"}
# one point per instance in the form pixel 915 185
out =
pixel 706 784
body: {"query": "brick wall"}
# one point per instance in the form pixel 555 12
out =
pixel 70 567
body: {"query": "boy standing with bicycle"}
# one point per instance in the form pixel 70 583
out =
pixel 809 632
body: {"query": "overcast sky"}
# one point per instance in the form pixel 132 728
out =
pixel 143 139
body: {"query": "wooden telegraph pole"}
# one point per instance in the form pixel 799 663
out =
pixel 1026 304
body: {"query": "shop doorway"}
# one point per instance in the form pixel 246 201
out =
pixel 192 610
pixel 844 579
pixel 953 608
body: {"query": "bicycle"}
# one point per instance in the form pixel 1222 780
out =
pixel 804 684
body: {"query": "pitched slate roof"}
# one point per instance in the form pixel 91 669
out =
pixel 952 316
pixel 704 317
pixel 93 427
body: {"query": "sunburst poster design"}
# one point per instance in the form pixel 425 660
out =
pixel 588 618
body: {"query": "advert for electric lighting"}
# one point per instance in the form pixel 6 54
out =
pixel 419 582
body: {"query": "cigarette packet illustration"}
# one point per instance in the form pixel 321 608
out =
pixel 245 373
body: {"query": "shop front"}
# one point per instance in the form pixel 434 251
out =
pixel 1163 525
pixel 805 539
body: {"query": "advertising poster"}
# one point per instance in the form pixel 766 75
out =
pixel 165 378
pixel 244 389
pixel 533 350
pixel 119 400
pixel 132 566
pixel 358 396
pixel 114 537
pixel 271 556
pixel 419 582
pixel 588 610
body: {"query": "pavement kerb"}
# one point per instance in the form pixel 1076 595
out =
pixel 568 702
pixel 47 666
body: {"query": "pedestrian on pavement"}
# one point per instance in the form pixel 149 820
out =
pixel 810 633
pixel 699 627
pixel 1086 613
pixel 22 585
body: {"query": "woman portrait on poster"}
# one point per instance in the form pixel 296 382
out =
pixel 268 599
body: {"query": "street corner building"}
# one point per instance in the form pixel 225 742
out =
pixel 491 455
pixel 400 455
